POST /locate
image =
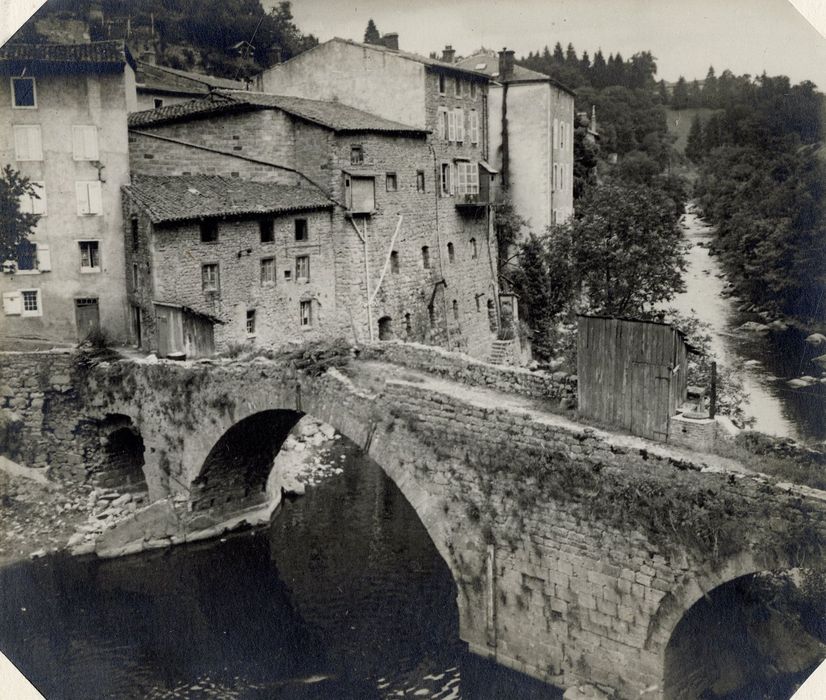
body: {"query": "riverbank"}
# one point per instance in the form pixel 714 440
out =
pixel 39 517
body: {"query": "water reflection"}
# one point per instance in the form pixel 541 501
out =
pixel 344 597
pixel 772 358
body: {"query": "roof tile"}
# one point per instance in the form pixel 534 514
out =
pixel 97 53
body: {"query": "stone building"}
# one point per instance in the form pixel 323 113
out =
pixel 161 86
pixel 402 253
pixel 215 261
pixel 531 137
pixel 63 125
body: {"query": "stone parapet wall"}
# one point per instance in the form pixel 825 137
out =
pixel 461 368
pixel 38 407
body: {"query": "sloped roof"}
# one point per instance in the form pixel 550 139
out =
pixel 155 75
pixel 177 198
pixel 101 55
pixel 453 68
pixel 488 63
pixel 330 115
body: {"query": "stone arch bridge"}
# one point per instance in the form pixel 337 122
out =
pixel 575 551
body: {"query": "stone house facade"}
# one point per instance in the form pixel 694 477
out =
pixel 403 260
pixel 531 137
pixel 63 111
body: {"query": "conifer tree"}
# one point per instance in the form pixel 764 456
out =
pixel 371 34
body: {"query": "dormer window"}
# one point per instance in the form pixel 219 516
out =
pixel 23 93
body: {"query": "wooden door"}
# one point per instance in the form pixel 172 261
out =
pixel 163 331
pixel 87 317
pixel 650 398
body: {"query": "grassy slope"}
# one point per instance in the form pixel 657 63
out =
pixel 679 122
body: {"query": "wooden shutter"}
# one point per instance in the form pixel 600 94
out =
pixel 95 198
pixel 451 125
pixel 44 257
pixel 12 303
pixel 460 125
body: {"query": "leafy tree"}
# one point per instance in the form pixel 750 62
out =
pixel 371 34
pixel 626 249
pixel 15 226
pixel 662 92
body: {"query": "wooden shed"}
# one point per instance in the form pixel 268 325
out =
pixel 632 374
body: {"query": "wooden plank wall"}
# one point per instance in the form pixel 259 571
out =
pixel 625 374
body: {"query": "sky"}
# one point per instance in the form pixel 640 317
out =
pixel 686 37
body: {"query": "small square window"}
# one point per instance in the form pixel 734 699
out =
pixel 250 321
pixel 306 312
pixel 89 256
pixel 288 274
pixel 356 155
pixel 267 230
pixel 301 231
pixel 420 181
pixel 210 277
pixel 209 232
pixel 23 92
pixel 302 268
pixel 158 102
pixel 267 271
pixel 391 182
pixel 31 302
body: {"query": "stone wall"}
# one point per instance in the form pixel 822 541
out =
pixel 38 403
pixel 461 368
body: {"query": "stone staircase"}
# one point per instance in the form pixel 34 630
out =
pixel 501 352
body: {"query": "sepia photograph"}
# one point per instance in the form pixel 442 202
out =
pixel 378 349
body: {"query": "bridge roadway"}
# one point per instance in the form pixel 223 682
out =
pixel 576 551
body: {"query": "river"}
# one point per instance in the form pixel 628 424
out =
pixel 764 361
pixel 343 597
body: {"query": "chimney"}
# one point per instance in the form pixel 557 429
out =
pixel 506 64
pixel 448 54
pixel 391 41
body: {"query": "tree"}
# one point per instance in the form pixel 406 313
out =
pixel 626 248
pixel 571 58
pixel 694 144
pixel 15 225
pixel 371 34
pixel 559 56
pixel 679 98
pixel 599 70
pixel 662 93
pixel 710 91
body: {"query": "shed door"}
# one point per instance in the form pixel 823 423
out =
pixel 164 338
pixel 87 317
pixel 650 409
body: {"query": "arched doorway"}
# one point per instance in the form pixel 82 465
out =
pixel 757 636
pixel 122 456
pixel 386 328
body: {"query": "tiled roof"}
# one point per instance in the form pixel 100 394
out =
pixel 170 198
pixel 331 115
pixel 149 70
pixel 98 54
pixel 488 63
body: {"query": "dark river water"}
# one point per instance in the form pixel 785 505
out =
pixel 344 596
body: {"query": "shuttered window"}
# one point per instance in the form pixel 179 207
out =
pixel 85 143
pixel 27 142
pixel 89 198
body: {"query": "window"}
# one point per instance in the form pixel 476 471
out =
pixel 473 251
pixel 473 91
pixel 27 142
pixel 84 142
pixel 441 84
pixel 210 278
pixel 391 182
pixel 561 177
pixel 478 303
pixel 250 321
pixel 562 134
pixel 306 313
pixel 446 183
pixel 444 123
pixel 425 257
pixel 360 194
pixel 451 125
pixel 26 257
pixel 267 271
pixel 420 181
pixel 89 256
pixel 89 198
pixel 288 274
pixel 302 268
pixel 451 255
pixel 474 126
pixel 135 277
pixel 301 232
pixel 431 314
pixel 356 155
pixel 459 119
pixel 31 302
pixel 555 132
pixel 555 184
pixel 455 310
pixel 30 204
pixel 136 240
pixel 23 93
pixel 408 326
pixel 267 230
pixel 457 88
pixel 209 231
pixel 158 102
pixel 394 262
pixel 467 178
